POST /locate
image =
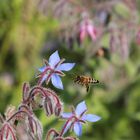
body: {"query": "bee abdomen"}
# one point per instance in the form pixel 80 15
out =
pixel 94 81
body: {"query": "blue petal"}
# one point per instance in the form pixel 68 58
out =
pixel 54 59
pixel 78 128
pixel 66 115
pixel 90 117
pixel 43 78
pixel 67 127
pixel 42 68
pixel 56 81
pixel 66 66
pixel 81 107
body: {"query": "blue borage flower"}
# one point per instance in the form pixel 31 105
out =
pixel 53 70
pixel 76 118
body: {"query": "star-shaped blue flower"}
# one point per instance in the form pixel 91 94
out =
pixel 77 117
pixel 53 70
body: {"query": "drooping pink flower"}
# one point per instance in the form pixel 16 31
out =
pixel 87 28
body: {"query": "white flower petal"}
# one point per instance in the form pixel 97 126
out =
pixel 66 115
pixel 90 118
pixel 42 69
pixel 78 128
pixel 56 81
pixel 81 107
pixel 54 59
pixel 43 78
pixel 66 66
pixel 67 127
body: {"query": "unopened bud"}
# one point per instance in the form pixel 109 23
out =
pixel 49 106
pixel 26 88
pixel 35 127
pixel 7 132
pixel 58 109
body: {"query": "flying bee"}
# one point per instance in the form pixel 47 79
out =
pixel 85 81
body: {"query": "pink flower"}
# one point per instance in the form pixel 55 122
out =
pixel 87 29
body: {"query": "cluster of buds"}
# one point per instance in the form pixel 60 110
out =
pixel 7 132
pixel 9 129
pixel 52 104
pixel 48 100
pixel 39 96
pixel 34 127
pixel 7 125
pixel 28 125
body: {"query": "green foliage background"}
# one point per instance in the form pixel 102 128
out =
pixel 27 36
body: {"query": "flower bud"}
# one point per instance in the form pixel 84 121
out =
pixel 7 132
pixel 49 105
pixel 58 109
pixel 34 127
pixel 26 88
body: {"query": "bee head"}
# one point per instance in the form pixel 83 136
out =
pixel 78 77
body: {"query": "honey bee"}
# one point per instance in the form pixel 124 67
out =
pixel 85 81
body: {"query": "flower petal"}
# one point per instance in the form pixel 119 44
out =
pixel 66 66
pixel 54 59
pixel 67 127
pixel 66 115
pixel 90 117
pixel 56 81
pixel 83 32
pixel 42 79
pixel 42 69
pixel 78 128
pixel 81 107
pixel 92 32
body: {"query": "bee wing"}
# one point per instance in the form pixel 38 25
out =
pixel 71 76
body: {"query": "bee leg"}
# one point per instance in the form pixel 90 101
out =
pixel 87 87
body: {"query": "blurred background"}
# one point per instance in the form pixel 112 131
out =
pixel 101 36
